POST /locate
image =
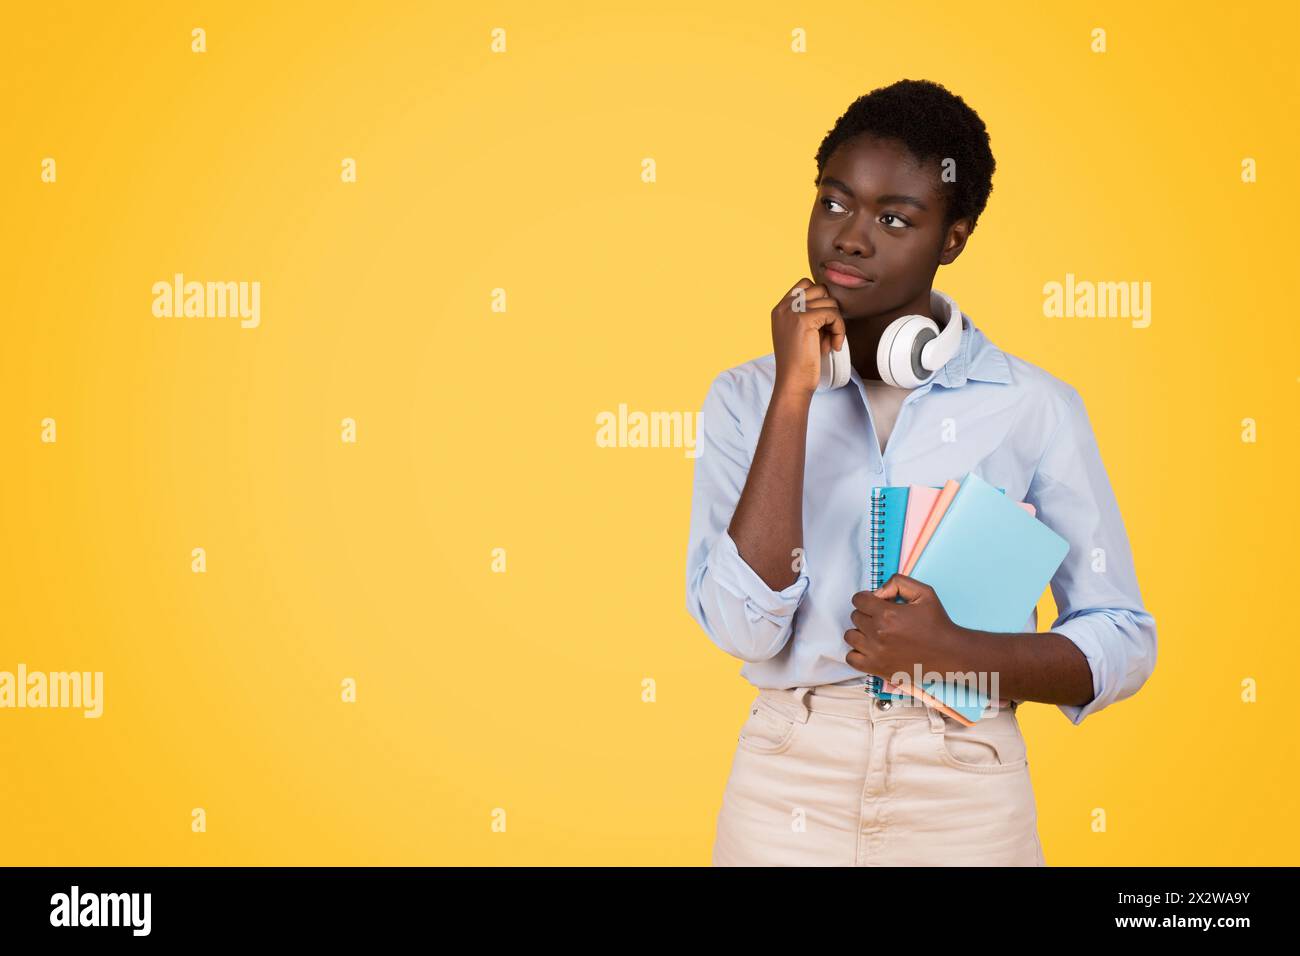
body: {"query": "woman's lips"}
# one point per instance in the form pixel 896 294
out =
pixel 846 280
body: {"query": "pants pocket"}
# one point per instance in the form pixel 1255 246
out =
pixel 767 730
pixel 994 745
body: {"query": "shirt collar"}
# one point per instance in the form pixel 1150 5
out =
pixel 977 358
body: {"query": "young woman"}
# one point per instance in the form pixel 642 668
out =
pixel 826 772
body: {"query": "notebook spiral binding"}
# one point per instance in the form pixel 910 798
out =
pixel 875 568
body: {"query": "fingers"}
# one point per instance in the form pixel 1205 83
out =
pixel 824 311
pixel 900 585
pixel 824 305
pixel 835 329
pixel 812 290
pixel 869 603
pixel 808 287
pixel 858 641
pixel 875 623
pixel 858 661
pixel 813 296
pixel 825 315
pixel 862 656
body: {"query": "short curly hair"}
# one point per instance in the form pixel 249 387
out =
pixel 933 124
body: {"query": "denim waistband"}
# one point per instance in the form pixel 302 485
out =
pixel 854 701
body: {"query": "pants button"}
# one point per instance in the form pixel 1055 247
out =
pixel 882 704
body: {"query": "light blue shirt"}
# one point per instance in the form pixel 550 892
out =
pixel 1015 425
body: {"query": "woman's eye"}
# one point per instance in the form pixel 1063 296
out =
pixel 892 216
pixel 828 199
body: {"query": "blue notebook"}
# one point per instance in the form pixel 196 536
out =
pixel 989 562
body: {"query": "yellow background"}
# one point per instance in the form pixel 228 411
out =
pixel 521 170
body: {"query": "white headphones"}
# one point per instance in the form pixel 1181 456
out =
pixel 912 348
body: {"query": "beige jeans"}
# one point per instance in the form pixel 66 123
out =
pixel 827 776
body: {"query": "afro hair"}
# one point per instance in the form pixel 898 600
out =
pixel 933 124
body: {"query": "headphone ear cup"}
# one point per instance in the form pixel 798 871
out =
pixel 920 374
pixel 898 357
pixel 841 364
pixel 835 368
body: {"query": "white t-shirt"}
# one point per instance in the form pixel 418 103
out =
pixel 885 401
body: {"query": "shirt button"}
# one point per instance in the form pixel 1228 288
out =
pixel 882 704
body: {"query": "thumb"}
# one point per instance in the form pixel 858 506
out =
pixel 900 585
pixel 834 332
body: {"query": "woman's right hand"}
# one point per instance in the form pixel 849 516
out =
pixel 801 338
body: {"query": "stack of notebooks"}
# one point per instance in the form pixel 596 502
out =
pixel 988 559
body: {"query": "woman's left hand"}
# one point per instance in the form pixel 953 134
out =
pixel 889 638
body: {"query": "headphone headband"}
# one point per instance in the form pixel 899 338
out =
pixel 938 351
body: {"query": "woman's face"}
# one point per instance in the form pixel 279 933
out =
pixel 881 214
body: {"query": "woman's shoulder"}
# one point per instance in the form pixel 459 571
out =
pixel 747 385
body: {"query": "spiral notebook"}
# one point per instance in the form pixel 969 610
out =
pixel 898 514
pixel 988 559
pixel 889 515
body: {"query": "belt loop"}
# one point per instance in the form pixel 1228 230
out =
pixel 801 709
pixel 936 720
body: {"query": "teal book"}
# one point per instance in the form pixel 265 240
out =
pixel 884 544
pixel 989 562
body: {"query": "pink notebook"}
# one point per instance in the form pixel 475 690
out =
pixel 946 494
pixel 920 500
pixel 922 519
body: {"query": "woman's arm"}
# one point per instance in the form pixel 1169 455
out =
pixel 890 638
pixel 1048 668
pixel 768 523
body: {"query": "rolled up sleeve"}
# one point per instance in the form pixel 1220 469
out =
pixel 1098 600
pixel 737 609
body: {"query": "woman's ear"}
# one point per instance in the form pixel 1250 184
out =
pixel 955 241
